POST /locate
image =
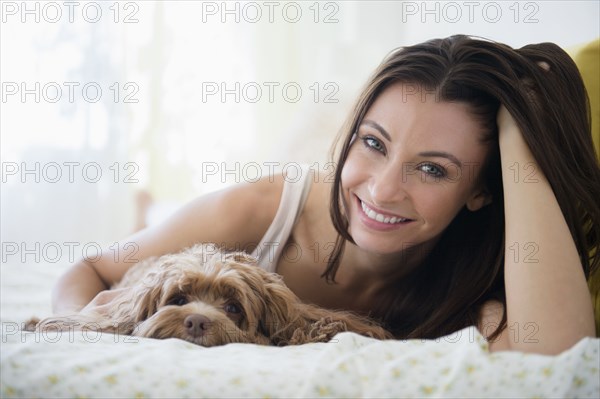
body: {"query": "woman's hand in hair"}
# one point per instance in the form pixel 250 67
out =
pixel 504 119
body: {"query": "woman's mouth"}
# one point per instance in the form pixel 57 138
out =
pixel 374 218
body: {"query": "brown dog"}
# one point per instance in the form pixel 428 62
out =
pixel 210 297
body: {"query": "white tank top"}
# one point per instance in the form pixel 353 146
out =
pixel 293 197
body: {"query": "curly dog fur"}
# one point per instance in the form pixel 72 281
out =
pixel 210 297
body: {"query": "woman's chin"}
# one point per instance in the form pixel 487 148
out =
pixel 379 245
pixel 390 242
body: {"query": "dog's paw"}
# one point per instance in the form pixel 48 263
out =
pixel 325 329
pixel 322 330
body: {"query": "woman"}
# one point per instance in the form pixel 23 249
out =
pixel 465 194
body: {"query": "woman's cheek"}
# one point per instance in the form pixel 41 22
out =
pixel 432 205
pixel 355 171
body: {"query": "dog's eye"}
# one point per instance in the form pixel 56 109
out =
pixel 178 300
pixel 233 308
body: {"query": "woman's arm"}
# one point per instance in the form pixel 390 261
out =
pixel 548 303
pixel 236 218
pixel 76 288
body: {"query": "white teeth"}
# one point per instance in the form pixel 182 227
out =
pixel 371 214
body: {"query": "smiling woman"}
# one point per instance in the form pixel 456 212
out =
pixel 431 156
pixel 428 221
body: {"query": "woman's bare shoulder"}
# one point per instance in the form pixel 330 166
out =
pixel 244 210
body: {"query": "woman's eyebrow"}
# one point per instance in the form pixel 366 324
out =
pixel 439 154
pixel 377 127
pixel 442 154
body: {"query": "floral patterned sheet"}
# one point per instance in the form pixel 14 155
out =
pixel 105 365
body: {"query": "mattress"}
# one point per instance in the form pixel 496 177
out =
pixel 91 364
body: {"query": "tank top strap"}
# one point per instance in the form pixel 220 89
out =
pixel 293 197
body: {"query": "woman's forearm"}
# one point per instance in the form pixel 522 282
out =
pixel 548 303
pixel 76 288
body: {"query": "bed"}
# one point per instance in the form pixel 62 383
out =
pixel 104 365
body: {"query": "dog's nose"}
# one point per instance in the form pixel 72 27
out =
pixel 196 324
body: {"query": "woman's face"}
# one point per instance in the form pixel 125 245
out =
pixel 412 167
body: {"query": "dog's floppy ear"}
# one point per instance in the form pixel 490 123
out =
pixel 142 299
pixel 324 324
pixel 289 321
pixel 136 304
pixel 283 315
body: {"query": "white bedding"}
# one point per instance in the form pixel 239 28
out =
pixel 459 365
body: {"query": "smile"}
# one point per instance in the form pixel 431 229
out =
pixel 381 218
pixel 371 214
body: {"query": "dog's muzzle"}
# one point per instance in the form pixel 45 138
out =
pixel 197 325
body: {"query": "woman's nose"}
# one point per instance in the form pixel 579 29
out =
pixel 389 185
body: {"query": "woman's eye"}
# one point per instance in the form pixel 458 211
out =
pixel 233 308
pixel 433 170
pixel 373 143
pixel 179 300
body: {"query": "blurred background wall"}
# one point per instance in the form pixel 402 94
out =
pixel 102 100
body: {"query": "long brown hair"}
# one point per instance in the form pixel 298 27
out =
pixel 466 267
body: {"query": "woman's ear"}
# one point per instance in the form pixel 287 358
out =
pixel 478 200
